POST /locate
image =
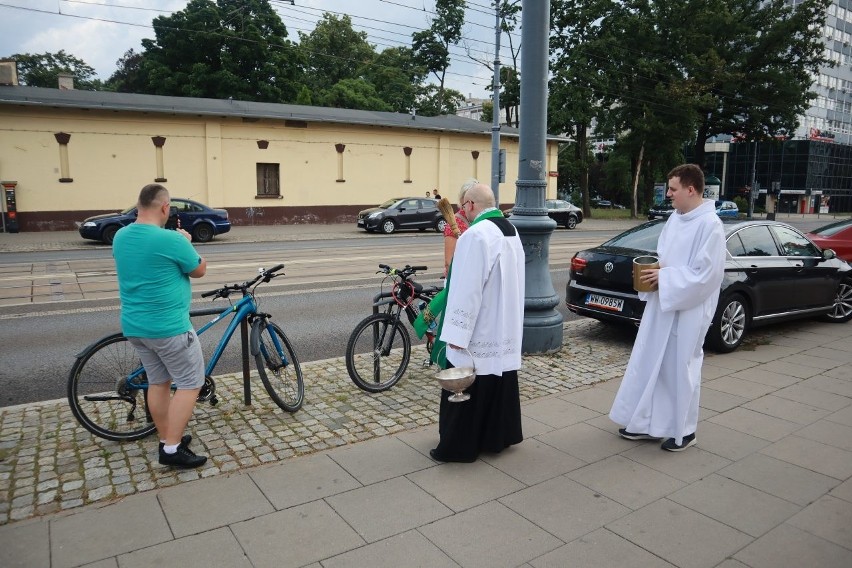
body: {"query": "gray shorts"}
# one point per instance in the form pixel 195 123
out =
pixel 177 358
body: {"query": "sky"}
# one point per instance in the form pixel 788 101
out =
pixel 100 31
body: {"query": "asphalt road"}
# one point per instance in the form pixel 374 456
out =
pixel 327 290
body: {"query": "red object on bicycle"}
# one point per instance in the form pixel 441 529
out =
pixel 395 296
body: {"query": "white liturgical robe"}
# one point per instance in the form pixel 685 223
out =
pixel 485 304
pixel 659 393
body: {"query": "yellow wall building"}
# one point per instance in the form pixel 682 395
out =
pixel 78 153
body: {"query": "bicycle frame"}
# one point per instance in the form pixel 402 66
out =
pixel 394 307
pixel 244 309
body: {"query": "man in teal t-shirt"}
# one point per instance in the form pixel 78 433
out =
pixel 154 266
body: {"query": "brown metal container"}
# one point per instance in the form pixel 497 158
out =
pixel 641 263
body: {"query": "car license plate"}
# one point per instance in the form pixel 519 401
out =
pixel 605 302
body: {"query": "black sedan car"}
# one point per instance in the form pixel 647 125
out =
pixel 200 221
pixel 563 212
pixel 772 273
pixel 661 211
pixel 402 213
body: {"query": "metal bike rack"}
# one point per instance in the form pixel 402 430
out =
pixel 245 346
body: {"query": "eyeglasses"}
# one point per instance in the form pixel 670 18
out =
pixel 466 202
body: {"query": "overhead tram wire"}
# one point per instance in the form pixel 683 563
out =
pixel 300 9
pixel 474 82
pixel 294 46
pixel 123 6
pixel 286 3
pixel 457 56
pixel 490 13
pixel 399 43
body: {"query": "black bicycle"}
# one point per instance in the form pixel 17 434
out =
pixel 108 387
pixel 379 348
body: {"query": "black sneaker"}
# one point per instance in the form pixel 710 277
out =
pixel 182 458
pixel 184 441
pixel 670 446
pixel 631 436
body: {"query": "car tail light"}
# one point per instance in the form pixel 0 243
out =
pixel 578 264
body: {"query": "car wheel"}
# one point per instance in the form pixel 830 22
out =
pixel 440 225
pixel 730 324
pixel 388 226
pixel 202 233
pixel 571 223
pixel 842 310
pixel 109 234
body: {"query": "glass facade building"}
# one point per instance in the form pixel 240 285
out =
pixel 808 172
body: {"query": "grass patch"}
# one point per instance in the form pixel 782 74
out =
pixel 610 214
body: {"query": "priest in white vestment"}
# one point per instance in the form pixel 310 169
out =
pixel 658 397
pixel 482 326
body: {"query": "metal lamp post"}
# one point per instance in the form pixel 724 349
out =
pixel 542 323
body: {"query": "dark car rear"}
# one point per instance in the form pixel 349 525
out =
pixel 772 273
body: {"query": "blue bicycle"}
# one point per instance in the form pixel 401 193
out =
pixel 107 387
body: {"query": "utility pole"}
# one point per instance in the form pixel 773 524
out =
pixel 495 111
pixel 753 188
pixel 542 323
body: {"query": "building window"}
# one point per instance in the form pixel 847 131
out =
pixel 159 142
pixel 268 181
pixel 63 138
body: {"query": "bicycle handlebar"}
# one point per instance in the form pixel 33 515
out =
pixel 403 273
pixel 265 275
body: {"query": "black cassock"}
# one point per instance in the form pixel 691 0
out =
pixel 489 422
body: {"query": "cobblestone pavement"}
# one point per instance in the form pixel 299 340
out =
pixel 49 463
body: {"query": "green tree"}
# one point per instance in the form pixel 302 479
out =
pixel 487 112
pixel 304 97
pixel 43 69
pixel 128 77
pixel 750 65
pixel 649 104
pixel 227 49
pixel 432 101
pixel 580 79
pixel 432 50
pixel 396 77
pixel 334 51
pixel 354 93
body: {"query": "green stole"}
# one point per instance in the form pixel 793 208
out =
pixel 436 307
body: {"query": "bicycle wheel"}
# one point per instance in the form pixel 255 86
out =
pixel 378 352
pixel 104 398
pixel 277 365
